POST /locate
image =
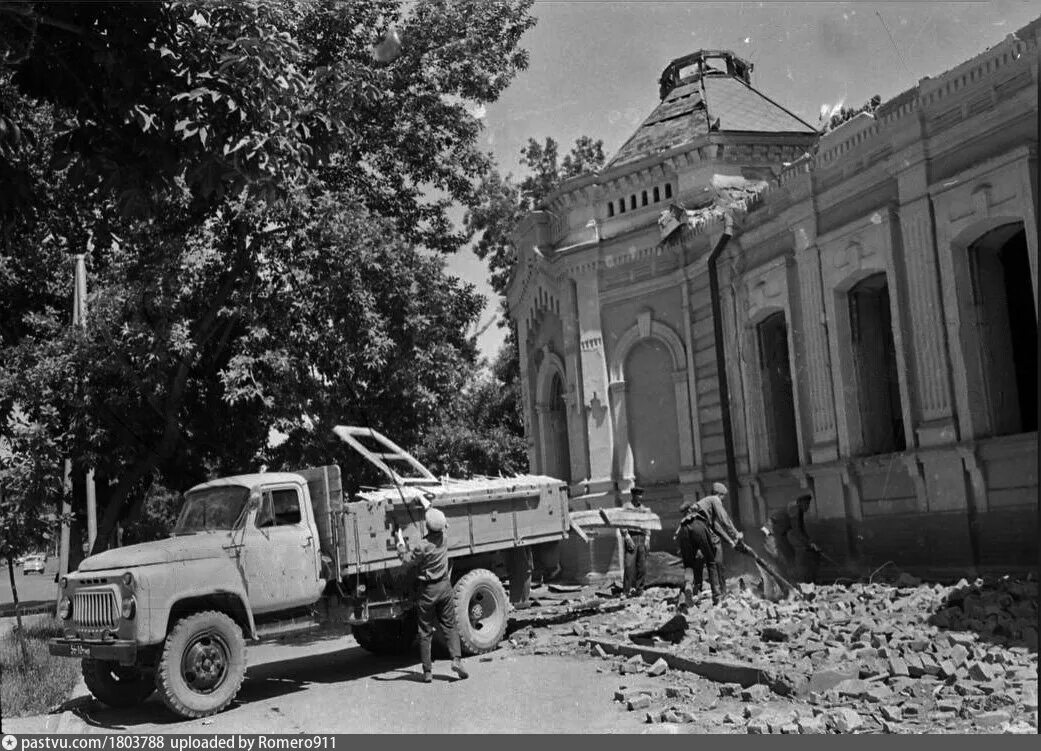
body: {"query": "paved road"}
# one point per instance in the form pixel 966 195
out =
pixel 33 589
pixel 335 686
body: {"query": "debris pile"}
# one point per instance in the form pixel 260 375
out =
pixel 863 658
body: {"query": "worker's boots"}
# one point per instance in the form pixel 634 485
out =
pixel 457 666
pixel 428 677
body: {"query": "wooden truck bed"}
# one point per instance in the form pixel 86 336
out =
pixel 484 514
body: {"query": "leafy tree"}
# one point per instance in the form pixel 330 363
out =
pixel 483 432
pixel 848 113
pixel 250 187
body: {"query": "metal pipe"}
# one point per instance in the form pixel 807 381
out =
pixel 721 370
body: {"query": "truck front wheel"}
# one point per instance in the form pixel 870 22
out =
pixel 118 686
pixel 202 665
pixel 481 611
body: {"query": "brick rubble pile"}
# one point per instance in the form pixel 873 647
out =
pixel 862 658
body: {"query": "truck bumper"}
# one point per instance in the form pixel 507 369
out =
pixel 122 651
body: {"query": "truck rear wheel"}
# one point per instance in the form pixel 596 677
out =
pixel 118 686
pixel 386 637
pixel 481 611
pixel 202 664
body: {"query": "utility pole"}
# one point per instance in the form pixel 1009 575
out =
pixel 79 319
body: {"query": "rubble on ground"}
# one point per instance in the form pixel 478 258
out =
pixel 870 657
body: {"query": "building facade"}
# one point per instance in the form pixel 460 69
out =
pixel 736 297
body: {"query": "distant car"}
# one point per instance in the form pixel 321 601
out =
pixel 34 564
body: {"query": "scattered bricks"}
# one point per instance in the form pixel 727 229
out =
pixel 917 645
pixel 878 694
pixel 980 671
pixel 670 716
pixel 753 710
pixel 685 717
pixel 757 727
pixel 957 655
pixel 991 719
pixel 854 688
pixel 892 713
pixel 949 704
pixel 626 695
pixel 897 667
pixel 1030 701
pixel 947 669
pixel 789 729
pixel 831 676
pixel 755 692
pixel 843 720
pixel 962 639
pixel 731 719
pixel 914 664
pixel 812 725
pixel 678 692
pixel 1021 728
pixel 660 667
pixel 772 634
pixel 730 689
pixel 598 651
pixel 929 665
pixel 638 702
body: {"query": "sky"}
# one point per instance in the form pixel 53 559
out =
pixel 594 66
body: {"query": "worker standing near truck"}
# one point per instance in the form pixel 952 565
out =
pixel 634 572
pixel 435 600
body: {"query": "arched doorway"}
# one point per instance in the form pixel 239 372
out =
pixel 652 413
pixel 877 381
pixel 558 451
pixel 777 393
pixel 1002 330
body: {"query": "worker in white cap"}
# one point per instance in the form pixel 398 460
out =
pixel 435 601
pixel 700 543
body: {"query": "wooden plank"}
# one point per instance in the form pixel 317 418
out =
pixel 617 518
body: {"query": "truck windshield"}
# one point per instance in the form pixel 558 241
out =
pixel 211 509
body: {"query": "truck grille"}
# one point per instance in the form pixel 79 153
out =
pixel 95 609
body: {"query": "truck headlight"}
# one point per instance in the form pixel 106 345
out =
pixel 65 608
pixel 128 579
pixel 129 608
pixel 64 582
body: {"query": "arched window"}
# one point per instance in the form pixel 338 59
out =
pixel 610 208
pixel 621 205
pixel 652 412
pixel 559 451
pixel 643 198
pixel 668 190
pixel 632 201
pixel 657 194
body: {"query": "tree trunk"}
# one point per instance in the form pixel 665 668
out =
pixel 20 631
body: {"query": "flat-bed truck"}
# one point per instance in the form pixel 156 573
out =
pixel 268 555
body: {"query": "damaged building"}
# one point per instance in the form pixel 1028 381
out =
pixel 736 296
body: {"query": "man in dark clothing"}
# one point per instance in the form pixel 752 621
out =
pixel 800 556
pixel 700 543
pixel 435 599
pixel 635 572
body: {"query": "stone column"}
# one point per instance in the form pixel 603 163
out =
pixel 622 469
pixel 578 440
pixel 593 367
pixel 542 414
pixel 1030 189
pixel 815 350
pixel 530 426
pixel 934 424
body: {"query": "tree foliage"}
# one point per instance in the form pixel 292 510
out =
pixel 250 189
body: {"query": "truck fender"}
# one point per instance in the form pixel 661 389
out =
pixel 231 603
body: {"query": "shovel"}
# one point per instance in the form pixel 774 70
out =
pixel 764 564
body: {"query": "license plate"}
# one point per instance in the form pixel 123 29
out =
pixel 78 650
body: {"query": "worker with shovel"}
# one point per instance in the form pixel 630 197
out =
pixel 800 555
pixel 701 546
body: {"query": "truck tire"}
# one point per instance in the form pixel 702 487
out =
pixel 387 637
pixel 202 664
pixel 481 611
pixel 118 686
